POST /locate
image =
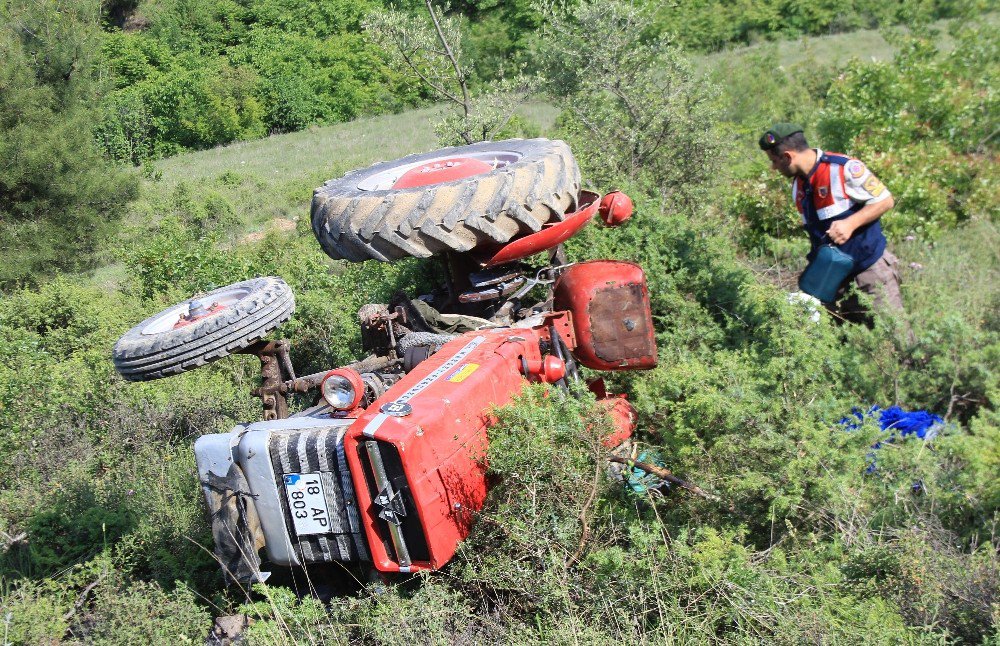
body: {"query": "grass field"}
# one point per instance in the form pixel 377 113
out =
pixel 322 152
pixel 314 150
pixel 838 49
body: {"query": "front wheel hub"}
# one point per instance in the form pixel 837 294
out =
pixel 197 311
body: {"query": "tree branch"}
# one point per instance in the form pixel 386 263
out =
pixel 434 86
pixel 466 105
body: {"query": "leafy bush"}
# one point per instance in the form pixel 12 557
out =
pixel 139 612
pixel 67 531
pixel 281 616
pixel 923 121
pixel 207 73
pixel 932 581
pixel 309 80
pixel 429 46
pixel 633 110
pixel 713 24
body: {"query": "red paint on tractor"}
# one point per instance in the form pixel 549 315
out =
pixel 548 370
pixel 441 442
pixel 616 207
pixel 623 418
pixel 439 172
pixel 609 303
pixel 550 235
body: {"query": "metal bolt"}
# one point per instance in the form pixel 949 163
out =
pixel 629 324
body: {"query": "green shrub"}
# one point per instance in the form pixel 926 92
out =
pixel 713 24
pixel 281 617
pixel 59 198
pixel 33 613
pixel 137 612
pixel 307 80
pixel 923 122
pixel 72 529
pixel 633 109
pixel 209 73
pixel 933 582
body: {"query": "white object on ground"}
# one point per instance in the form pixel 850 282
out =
pixel 810 304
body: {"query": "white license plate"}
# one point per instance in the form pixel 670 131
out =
pixel 307 503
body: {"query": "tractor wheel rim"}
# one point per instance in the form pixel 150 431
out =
pixel 218 302
pixel 384 180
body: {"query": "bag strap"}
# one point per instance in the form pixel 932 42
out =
pixel 809 209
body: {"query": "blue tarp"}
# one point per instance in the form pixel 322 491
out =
pixel 895 421
pixel 919 422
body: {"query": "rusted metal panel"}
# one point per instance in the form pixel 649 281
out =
pixel 609 302
pixel 622 332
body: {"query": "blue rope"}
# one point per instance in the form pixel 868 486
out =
pixel 639 481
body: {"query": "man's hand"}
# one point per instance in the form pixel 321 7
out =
pixel 840 231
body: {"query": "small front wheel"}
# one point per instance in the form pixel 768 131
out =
pixel 203 329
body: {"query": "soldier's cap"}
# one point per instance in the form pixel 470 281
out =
pixel 773 136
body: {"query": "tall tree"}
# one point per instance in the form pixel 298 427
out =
pixel 59 197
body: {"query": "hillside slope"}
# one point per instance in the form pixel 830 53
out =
pixel 824 534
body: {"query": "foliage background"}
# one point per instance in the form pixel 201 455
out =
pixel 807 547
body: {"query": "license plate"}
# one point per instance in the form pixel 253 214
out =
pixel 307 503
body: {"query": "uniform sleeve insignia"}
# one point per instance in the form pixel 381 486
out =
pixel 823 190
pixel 874 186
pixel 855 168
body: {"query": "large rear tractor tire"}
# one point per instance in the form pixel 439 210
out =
pixel 453 199
pixel 206 328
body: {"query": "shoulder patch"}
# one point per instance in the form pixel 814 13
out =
pixel 855 168
pixel 874 186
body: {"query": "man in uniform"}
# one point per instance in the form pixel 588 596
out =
pixel 840 201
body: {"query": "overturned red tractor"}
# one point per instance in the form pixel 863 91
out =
pixel 389 469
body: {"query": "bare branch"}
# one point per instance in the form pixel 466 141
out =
pixel 440 89
pixel 466 105
pixel 82 598
pixel 10 541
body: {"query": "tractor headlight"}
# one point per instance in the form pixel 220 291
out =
pixel 342 388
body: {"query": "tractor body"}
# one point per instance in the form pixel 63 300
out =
pixel 397 483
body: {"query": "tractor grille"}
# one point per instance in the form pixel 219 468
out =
pixel 321 451
pixel 398 523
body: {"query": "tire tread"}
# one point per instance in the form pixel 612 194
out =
pixel 458 216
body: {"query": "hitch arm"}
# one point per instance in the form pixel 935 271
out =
pixel 275 368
